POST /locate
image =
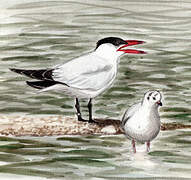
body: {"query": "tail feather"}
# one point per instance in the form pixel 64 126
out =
pixel 41 84
pixel 42 74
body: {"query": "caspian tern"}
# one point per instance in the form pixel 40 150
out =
pixel 86 76
pixel 141 122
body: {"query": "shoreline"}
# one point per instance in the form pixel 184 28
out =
pixel 60 125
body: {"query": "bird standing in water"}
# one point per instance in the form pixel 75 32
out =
pixel 84 77
pixel 141 122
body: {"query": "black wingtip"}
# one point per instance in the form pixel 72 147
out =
pixel 16 70
pixel 29 83
pixel 41 84
pixel 33 84
pixel 12 69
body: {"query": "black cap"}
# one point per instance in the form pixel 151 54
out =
pixel 112 40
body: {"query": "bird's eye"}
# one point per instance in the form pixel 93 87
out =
pixel 154 98
pixel 117 43
pixel 148 97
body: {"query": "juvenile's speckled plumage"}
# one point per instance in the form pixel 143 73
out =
pixel 141 122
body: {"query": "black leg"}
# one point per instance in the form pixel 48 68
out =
pixel 90 111
pixel 77 106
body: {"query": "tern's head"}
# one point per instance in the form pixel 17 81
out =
pixel 114 46
pixel 152 98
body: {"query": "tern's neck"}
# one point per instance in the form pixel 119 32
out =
pixel 108 53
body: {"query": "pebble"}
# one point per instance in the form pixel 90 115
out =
pixel 109 130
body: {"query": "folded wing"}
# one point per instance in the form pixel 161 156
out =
pixel 87 72
pixel 129 113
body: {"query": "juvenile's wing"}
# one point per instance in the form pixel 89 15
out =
pixel 129 113
pixel 86 72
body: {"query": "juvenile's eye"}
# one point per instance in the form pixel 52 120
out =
pixel 148 97
pixel 154 98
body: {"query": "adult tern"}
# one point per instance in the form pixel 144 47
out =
pixel 84 77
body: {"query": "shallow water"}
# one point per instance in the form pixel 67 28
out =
pixel 37 34
pixel 102 157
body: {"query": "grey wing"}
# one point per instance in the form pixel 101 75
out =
pixel 82 74
pixel 129 113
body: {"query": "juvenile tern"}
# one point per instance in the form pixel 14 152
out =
pixel 84 77
pixel 141 122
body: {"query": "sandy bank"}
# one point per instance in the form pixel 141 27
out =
pixel 59 125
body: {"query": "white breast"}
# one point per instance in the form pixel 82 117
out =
pixel 144 125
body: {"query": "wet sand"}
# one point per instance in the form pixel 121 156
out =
pixel 59 125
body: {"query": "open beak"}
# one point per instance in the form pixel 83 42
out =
pixel 131 43
pixel 159 103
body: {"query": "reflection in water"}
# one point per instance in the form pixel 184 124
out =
pixel 36 34
pixel 142 160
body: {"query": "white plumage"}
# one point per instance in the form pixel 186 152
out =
pixel 141 122
pixel 86 76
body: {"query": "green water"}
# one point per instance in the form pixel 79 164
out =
pixel 102 157
pixel 39 33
